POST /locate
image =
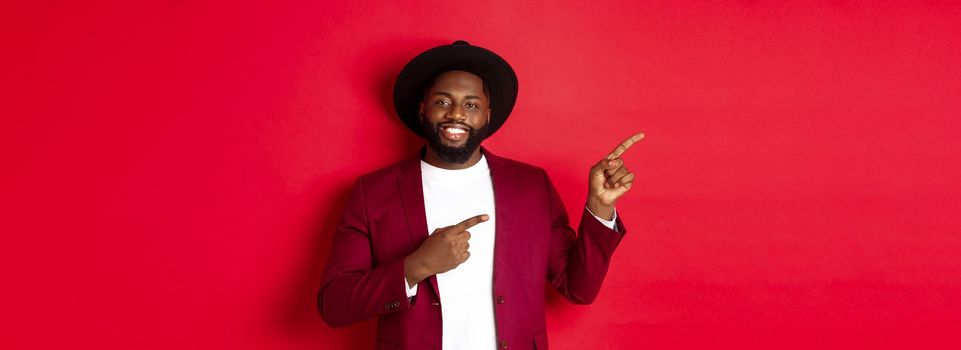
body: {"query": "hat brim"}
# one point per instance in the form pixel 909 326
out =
pixel 414 79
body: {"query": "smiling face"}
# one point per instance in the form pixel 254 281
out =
pixel 455 113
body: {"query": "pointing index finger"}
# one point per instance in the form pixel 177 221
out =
pixel 620 149
pixel 466 224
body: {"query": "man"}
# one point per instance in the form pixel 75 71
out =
pixel 451 249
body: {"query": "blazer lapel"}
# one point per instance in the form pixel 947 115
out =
pixel 411 189
pixel 500 179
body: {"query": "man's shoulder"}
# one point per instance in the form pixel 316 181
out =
pixel 515 167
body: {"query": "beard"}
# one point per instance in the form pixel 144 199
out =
pixel 448 154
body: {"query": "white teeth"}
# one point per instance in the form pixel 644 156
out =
pixel 454 131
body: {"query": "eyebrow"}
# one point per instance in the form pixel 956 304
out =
pixel 452 96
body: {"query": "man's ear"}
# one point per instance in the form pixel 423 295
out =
pixel 420 111
pixel 488 116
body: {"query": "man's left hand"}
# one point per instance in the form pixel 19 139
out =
pixel 610 179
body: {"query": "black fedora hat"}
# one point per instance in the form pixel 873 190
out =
pixel 420 72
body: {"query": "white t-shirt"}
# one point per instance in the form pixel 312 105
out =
pixel 467 307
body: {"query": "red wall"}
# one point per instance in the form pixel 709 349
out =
pixel 172 170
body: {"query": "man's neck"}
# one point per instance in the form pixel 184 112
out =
pixel 431 158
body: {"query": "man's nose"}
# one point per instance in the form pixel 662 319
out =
pixel 458 112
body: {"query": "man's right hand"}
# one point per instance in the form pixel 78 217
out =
pixel 442 251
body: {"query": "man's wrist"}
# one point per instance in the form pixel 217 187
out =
pixel 414 271
pixel 599 209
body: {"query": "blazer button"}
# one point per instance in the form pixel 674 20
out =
pixel 387 306
pixel 503 344
pixel 500 299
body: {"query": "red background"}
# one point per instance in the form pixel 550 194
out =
pixel 172 170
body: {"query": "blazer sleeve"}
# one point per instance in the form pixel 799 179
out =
pixel 578 263
pixel 354 288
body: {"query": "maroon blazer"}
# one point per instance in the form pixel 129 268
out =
pixel 384 221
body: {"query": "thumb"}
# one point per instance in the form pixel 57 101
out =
pixel 601 169
pixel 608 164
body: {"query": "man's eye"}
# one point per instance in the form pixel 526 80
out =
pixel 443 103
pixel 471 105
